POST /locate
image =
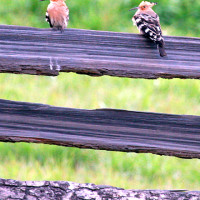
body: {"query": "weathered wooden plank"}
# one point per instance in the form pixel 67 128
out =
pixel 55 190
pixel 46 52
pixel 105 129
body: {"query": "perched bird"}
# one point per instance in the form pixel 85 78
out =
pixel 57 14
pixel 148 23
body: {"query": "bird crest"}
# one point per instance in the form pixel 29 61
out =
pixel 146 4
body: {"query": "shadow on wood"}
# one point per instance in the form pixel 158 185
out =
pixel 114 130
pixel 27 50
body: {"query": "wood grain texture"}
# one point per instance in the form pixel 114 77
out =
pixel 45 52
pixel 104 129
pixel 60 190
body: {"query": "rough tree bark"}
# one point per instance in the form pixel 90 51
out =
pixel 46 190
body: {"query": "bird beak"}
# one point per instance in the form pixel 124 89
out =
pixel 134 8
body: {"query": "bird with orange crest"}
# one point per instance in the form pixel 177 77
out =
pixel 57 14
pixel 148 23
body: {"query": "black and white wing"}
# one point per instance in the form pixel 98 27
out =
pixel 149 26
pixel 48 19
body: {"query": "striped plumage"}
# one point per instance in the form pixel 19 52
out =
pixel 57 14
pixel 148 23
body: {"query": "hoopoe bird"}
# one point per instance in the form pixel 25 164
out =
pixel 57 14
pixel 148 23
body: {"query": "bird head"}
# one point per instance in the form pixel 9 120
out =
pixel 144 5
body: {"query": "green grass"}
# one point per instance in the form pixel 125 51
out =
pixel 78 91
pixel 43 162
pixel 133 171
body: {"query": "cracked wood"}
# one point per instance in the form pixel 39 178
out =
pixel 35 51
pixel 103 129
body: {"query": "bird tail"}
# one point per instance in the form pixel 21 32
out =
pixel 161 47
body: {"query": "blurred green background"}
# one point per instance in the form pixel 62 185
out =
pixel 133 171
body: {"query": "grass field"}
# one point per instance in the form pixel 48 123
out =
pixel 43 162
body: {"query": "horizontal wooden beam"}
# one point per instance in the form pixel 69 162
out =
pixel 27 50
pixel 103 129
pixel 11 189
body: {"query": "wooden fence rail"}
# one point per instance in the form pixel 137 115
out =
pixel 26 50
pixel 45 52
pixel 106 129
pixel 49 190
